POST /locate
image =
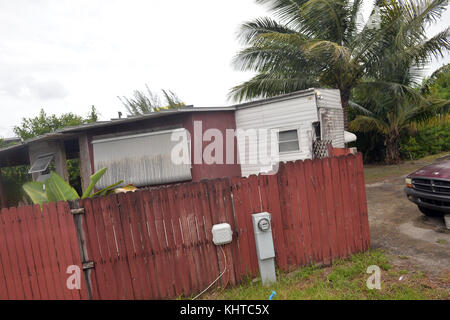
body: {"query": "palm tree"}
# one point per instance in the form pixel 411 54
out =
pixel 147 102
pixel 323 42
pixel 387 102
pixel 391 117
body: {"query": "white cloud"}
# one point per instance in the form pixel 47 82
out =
pixel 67 55
pixel 29 87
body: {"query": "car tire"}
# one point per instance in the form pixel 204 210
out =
pixel 431 212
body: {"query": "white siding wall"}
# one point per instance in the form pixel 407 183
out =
pixel 295 113
pixel 331 116
pixel 329 98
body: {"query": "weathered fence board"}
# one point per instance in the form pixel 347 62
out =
pixel 37 245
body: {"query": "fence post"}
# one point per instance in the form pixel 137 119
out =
pixel 77 212
pixel 3 199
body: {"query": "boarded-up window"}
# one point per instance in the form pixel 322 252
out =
pixel 144 159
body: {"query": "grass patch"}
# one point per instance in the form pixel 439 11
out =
pixel 378 173
pixel 345 279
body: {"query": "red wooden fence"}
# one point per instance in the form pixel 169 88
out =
pixel 36 248
pixel 157 243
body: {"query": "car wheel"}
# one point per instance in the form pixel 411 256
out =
pixel 430 212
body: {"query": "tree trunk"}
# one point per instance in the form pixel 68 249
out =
pixel 392 149
pixel 345 97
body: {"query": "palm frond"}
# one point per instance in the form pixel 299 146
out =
pixel 271 84
pixel 360 108
pixel 251 30
pixel 286 10
pixel 367 123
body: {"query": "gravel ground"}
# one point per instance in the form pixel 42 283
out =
pixel 397 225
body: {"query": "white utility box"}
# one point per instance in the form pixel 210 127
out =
pixel 222 234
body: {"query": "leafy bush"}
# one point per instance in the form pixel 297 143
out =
pixel 13 178
pixel 431 139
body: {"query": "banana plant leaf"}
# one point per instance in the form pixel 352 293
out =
pixel 35 190
pixel 94 179
pixel 59 190
pixel 107 190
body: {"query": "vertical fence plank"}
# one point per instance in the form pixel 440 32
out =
pixel 322 205
pixel 4 275
pixel 339 209
pixel 30 259
pixel 38 247
pixel 66 230
pixel 244 234
pixel 131 208
pixel 71 234
pixel 305 220
pixel 311 184
pixel 97 275
pixel 362 201
pixel 330 204
pixel 198 232
pixel 229 217
pixel 188 245
pixel 109 248
pixel 184 269
pixel 50 252
pixel 117 227
pixel 271 203
pixel 110 290
pixel 8 258
pixel 126 229
pixel 217 210
pixel 164 253
pixel 222 189
pixel 61 250
pixel 285 204
pixel 203 270
pixel 213 257
pixel 4 264
pixel 18 248
pixel 170 218
pixel 294 197
pixel 155 251
pixel 147 245
pixel 255 207
pixel 345 190
pixel 354 206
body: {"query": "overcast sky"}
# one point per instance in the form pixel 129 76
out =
pixel 66 55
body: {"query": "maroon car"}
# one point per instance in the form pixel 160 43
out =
pixel 429 188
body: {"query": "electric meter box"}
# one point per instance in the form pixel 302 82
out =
pixel 222 234
pixel 263 235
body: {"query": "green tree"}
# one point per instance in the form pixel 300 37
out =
pixel 437 86
pixel 147 102
pixel 43 123
pixel 15 177
pixel 323 43
pixel 387 99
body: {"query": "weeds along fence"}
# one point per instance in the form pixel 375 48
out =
pixel 157 243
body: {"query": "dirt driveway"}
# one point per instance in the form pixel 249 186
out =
pixel 397 226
